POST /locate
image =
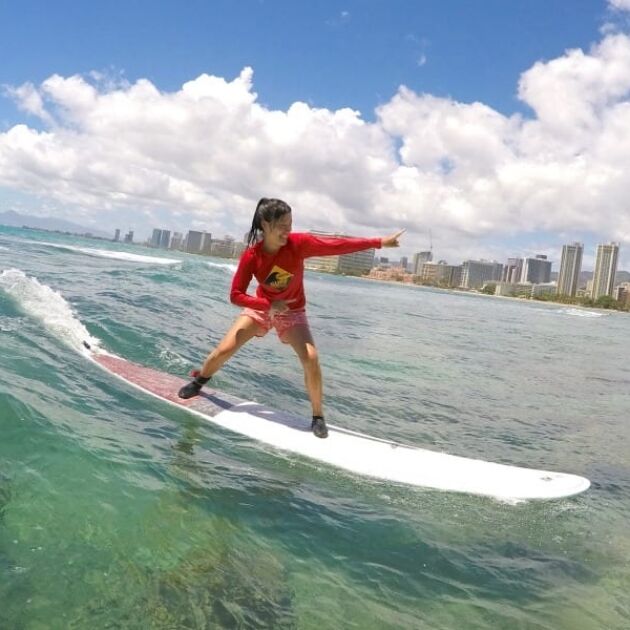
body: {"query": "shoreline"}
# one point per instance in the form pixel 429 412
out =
pixel 487 295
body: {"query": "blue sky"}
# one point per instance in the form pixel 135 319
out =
pixel 329 55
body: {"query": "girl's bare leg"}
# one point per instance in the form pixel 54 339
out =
pixel 243 329
pixel 301 340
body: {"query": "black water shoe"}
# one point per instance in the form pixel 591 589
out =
pixel 318 427
pixel 193 388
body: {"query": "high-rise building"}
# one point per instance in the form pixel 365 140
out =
pixel 206 247
pixel 536 270
pixel 513 271
pixel 176 241
pixel 570 267
pixel 419 259
pixel 129 237
pixel 222 248
pixel 165 239
pixel 355 263
pixel 155 238
pixel 475 273
pixel 116 236
pixel 404 262
pixel 195 241
pixel 441 273
pixel 622 293
pixel 605 270
pixel 160 238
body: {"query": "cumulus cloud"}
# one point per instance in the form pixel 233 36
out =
pixel 620 5
pixel 207 152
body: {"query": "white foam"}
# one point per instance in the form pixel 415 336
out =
pixel 46 305
pixel 108 253
pixel 579 312
pixel 231 267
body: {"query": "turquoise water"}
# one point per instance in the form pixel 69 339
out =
pixel 117 511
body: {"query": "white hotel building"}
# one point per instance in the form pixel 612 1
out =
pixel 605 270
pixel 358 263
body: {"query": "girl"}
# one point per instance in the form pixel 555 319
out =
pixel 277 262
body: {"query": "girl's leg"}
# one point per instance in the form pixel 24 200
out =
pixel 300 339
pixel 243 329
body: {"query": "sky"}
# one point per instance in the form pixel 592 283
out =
pixel 490 129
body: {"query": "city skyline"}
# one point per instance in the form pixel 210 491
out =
pixel 532 271
pixel 523 159
pixel 490 277
pixel 518 268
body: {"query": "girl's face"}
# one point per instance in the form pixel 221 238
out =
pixel 277 232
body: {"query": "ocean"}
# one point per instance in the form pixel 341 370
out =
pixel 119 511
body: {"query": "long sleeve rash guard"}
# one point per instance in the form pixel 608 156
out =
pixel 281 275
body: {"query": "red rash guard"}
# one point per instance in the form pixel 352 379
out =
pixel 281 275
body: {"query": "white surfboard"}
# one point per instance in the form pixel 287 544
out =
pixel 351 451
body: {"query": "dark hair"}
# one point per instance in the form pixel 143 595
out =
pixel 269 210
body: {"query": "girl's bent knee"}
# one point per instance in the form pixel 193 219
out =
pixel 310 360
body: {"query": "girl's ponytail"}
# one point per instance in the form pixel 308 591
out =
pixel 269 210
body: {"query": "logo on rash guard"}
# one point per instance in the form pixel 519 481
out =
pixel 278 278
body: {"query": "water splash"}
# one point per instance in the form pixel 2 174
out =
pixel 46 305
pixel 231 267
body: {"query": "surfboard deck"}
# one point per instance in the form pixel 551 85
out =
pixel 349 450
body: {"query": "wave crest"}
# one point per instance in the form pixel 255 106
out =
pixel 47 306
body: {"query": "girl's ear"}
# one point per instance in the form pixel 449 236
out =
pixel 265 225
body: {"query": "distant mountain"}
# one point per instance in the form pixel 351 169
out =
pixel 585 276
pixel 15 219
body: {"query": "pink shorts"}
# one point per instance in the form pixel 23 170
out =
pixel 282 322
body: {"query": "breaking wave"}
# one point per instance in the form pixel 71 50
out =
pixel 231 267
pixel 108 253
pixel 47 306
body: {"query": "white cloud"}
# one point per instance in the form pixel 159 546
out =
pixel 620 5
pixel 339 20
pixel 29 100
pixel 572 93
pixel 208 151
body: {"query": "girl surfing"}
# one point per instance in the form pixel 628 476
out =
pixel 275 257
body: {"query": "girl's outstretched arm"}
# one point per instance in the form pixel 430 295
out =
pixel 315 245
pixel 392 241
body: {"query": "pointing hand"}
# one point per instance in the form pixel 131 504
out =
pixel 392 241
